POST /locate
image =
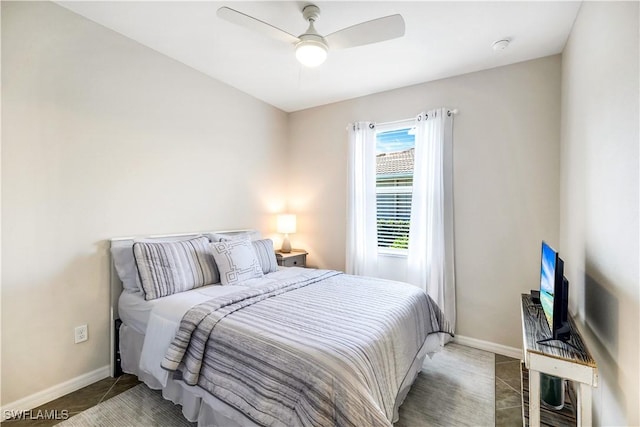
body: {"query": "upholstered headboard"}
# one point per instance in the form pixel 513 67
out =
pixel 115 283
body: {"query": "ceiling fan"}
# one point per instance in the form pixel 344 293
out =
pixel 311 47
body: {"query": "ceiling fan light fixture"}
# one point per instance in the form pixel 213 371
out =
pixel 311 53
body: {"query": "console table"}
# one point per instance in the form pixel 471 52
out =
pixel 557 359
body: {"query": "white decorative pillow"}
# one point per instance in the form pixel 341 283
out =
pixel 167 268
pixel 266 255
pixel 236 260
pixel 125 265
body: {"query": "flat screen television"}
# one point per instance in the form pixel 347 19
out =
pixel 554 293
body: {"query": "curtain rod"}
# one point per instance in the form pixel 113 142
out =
pixel 449 112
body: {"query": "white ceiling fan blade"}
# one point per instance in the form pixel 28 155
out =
pixel 374 31
pixel 252 23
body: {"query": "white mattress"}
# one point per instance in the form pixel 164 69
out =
pixel 135 311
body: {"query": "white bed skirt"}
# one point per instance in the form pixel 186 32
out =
pixel 199 405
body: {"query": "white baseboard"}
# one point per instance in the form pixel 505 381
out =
pixel 54 392
pixel 504 350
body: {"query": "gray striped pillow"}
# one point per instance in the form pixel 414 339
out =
pixel 167 268
pixel 266 255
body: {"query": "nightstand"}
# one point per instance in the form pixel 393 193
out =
pixel 295 258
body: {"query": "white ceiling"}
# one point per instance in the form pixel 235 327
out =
pixel 442 39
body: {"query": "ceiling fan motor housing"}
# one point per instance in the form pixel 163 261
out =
pixel 311 12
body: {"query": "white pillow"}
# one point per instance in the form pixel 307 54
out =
pixel 236 260
pixel 125 265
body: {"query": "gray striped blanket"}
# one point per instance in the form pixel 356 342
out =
pixel 322 349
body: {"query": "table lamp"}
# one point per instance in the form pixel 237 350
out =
pixel 286 225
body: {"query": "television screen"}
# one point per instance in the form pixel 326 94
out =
pixel 548 263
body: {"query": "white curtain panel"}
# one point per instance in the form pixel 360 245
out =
pixel 430 260
pixel 362 239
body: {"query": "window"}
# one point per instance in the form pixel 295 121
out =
pixel 395 147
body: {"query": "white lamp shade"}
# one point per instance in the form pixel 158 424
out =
pixel 286 223
pixel 311 53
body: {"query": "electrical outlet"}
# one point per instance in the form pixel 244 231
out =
pixel 81 333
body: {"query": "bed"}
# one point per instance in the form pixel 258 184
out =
pixel 285 346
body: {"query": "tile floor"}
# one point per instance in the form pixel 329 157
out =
pixel 508 402
pixel 508 394
pixel 79 400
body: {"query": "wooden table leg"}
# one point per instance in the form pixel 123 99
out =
pixel 584 405
pixel 534 398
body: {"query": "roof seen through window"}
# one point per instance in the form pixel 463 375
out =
pixel 394 140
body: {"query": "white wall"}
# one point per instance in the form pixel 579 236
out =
pixel 103 137
pixel 599 197
pixel 506 174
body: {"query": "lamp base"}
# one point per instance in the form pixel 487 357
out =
pixel 286 245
